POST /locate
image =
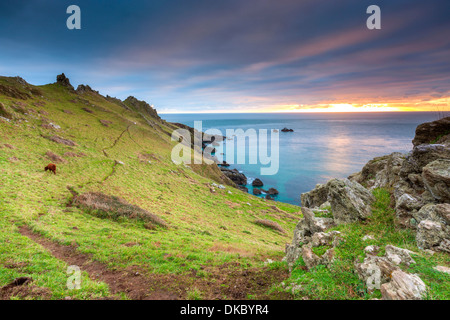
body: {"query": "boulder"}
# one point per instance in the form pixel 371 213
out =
pixel 375 271
pixel 435 212
pixel 399 255
pixel 323 238
pixel 349 200
pixel 422 155
pixel 380 172
pixel 372 250
pixel 430 132
pixel 436 177
pixel 403 286
pixel 257 183
pixel 272 191
pixel 310 258
pixel 430 234
pixel 242 188
pixel 442 269
pixel 328 257
pixel 256 191
pixel 315 197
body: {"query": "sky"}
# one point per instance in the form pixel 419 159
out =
pixel 238 55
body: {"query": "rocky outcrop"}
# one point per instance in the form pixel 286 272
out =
pixel 380 172
pixel 349 200
pixel 82 89
pixel 141 107
pixel 419 181
pixel 235 176
pixel 64 81
pixel 436 177
pixel 273 191
pixel 384 273
pixel 316 197
pixel 308 228
pixel 433 235
pixel 432 132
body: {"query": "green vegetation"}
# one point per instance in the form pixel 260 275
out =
pixel 119 200
pixel 128 159
pixel 340 281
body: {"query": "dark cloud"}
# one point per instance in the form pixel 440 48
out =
pixel 197 54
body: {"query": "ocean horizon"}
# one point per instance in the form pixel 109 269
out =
pixel 321 147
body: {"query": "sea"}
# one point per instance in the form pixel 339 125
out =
pixel 322 146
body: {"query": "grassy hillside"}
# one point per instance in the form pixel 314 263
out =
pixel 142 227
pixel 117 150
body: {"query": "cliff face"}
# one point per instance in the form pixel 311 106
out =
pixel 419 180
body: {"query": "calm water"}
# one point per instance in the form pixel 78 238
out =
pixel 322 146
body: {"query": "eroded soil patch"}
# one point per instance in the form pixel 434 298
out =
pixel 131 282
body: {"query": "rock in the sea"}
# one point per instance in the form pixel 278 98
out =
pixel 436 177
pixel 256 192
pixel 272 191
pixel 431 132
pixel 349 200
pixel 257 183
pixel 287 130
pixel 403 286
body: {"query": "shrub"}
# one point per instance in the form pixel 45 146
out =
pixel 112 207
pixel 269 224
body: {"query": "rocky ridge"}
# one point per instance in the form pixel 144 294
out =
pixel 419 183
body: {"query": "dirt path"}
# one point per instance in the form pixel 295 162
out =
pixel 232 281
pixel 131 282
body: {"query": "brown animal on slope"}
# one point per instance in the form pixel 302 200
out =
pixel 51 167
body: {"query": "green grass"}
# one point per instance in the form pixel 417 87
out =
pixel 340 281
pixel 204 228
